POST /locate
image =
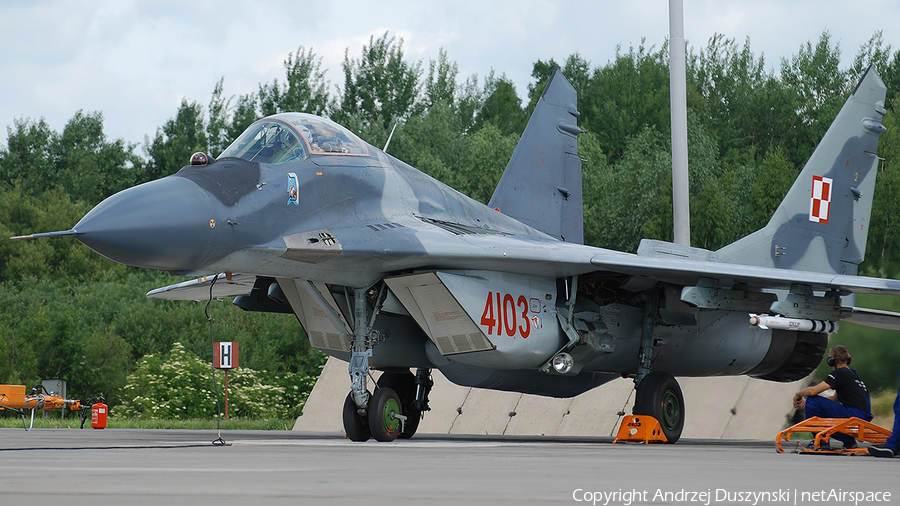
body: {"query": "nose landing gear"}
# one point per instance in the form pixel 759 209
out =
pixel 396 406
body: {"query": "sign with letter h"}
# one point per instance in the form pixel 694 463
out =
pixel 225 355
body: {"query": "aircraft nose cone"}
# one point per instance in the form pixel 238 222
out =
pixel 167 224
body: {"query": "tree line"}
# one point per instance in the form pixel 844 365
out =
pixel 67 312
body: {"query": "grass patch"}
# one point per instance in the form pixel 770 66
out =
pixel 55 421
pixel 883 408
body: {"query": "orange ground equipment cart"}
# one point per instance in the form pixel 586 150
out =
pixel 823 428
pixel 14 398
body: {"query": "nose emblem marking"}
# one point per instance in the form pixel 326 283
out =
pixel 292 189
pixel 212 223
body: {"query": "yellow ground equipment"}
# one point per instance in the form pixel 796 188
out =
pixel 823 428
pixel 13 397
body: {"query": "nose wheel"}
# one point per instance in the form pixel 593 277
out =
pixel 356 426
pixel 385 415
pixel 413 393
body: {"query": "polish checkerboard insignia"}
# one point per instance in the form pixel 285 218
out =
pixel 820 202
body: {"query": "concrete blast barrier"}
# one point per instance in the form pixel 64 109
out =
pixel 733 407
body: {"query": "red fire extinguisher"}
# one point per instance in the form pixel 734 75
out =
pixel 98 415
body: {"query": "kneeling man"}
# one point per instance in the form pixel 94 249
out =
pixel 851 397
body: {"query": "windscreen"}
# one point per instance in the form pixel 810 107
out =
pixel 289 137
pixel 268 141
pixel 325 136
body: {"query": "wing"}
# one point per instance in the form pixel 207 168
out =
pixel 689 272
pixel 227 285
pixel 874 318
pixel 560 259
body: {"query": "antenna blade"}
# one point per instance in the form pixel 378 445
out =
pixel 388 143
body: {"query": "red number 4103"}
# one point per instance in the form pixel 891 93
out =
pixel 507 314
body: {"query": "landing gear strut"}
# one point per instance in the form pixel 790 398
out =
pixel 356 414
pixel 395 407
pixel 658 393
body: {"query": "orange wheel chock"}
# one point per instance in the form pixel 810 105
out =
pixel 643 428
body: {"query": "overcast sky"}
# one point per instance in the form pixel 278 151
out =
pixel 135 61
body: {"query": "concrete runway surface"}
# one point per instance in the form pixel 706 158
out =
pixel 169 467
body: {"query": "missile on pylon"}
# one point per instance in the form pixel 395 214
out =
pixel 780 323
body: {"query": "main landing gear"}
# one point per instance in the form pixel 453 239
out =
pixel 395 407
pixel 658 393
pixel 659 396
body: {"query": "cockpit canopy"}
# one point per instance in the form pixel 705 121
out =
pixel 293 136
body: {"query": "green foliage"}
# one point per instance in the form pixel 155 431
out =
pixel 875 352
pixel 92 334
pixel 774 178
pixel 487 152
pixel 218 124
pixel 738 98
pixel 80 162
pixel 55 330
pixel 502 108
pixel 883 248
pixel 89 166
pixel 380 87
pixel 306 89
pixel 597 190
pixel 179 386
pixel 625 97
pixel 64 258
pixel 175 142
pixel 244 115
pixel 27 160
pixel 432 142
pixel 820 88
pixel 440 85
pixel 11 420
pixel 576 69
pixel 631 192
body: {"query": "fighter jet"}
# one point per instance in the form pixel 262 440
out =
pixel 389 269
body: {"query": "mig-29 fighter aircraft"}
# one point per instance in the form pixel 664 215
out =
pixel 389 269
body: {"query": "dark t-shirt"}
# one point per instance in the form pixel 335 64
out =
pixel 851 390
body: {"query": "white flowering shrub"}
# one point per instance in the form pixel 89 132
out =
pixel 180 386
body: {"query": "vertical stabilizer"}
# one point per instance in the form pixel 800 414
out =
pixel 823 222
pixel 541 185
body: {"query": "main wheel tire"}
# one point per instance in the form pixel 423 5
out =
pixel 382 406
pixel 405 386
pixel 355 426
pixel 659 396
